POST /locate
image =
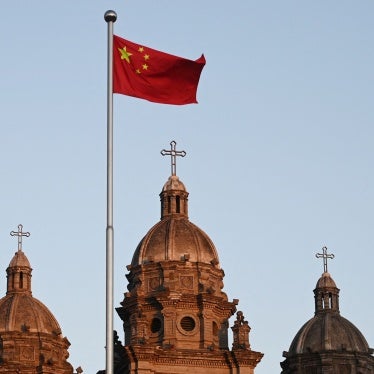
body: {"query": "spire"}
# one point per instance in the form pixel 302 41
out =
pixel 19 269
pixel 326 294
pixel 174 196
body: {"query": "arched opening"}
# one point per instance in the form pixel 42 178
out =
pixel 156 325
pixel 178 204
pixel 21 280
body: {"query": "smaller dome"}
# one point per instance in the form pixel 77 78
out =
pixel 173 183
pixel 325 281
pixel 19 259
pixel 23 312
pixel 328 332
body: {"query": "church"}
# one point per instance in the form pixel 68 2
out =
pixel 176 313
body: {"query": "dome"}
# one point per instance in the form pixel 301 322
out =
pixel 328 342
pixel 19 310
pixel 23 312
pixel 31 338
pixel 174 183
pixel 19 259
pixel 325 281
pixel 328 332
pixel 174 239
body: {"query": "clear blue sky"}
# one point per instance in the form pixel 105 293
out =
pixel 279 155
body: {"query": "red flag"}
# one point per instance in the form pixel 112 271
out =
pixel 152 75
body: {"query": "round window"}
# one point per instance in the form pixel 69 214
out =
pixel 187 323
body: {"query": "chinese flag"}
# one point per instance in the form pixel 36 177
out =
pixel 152 75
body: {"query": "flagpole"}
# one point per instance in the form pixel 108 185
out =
pixel 110 17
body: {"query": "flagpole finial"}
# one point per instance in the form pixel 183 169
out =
pixel 110 16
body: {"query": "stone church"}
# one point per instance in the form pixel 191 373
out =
pixel 175 313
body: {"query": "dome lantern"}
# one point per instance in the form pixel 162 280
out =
pixel 174 197
pixel 19 269
pixel 326 294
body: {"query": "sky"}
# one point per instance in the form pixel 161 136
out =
pixel 279 155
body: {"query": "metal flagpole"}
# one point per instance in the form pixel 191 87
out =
pixel 110 17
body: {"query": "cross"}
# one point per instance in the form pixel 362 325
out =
pixel 325 256
pixel 173 153
pixel 19 233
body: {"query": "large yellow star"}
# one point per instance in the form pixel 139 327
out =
pixel 124 54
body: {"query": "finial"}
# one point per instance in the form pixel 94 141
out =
pixel 173 153
pixel 325 256
pixel 110 16
pixel 19 233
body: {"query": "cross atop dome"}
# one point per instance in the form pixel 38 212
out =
pixel 325 256
pixel 173 153
pixel 20 234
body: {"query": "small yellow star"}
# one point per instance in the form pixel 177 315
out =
pixel 137 71
pixel 140 49
pixel 146 57
pixel 124 54
pixel 145 67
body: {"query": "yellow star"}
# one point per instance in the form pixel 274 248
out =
pixel 124 54
pixel 140 49
pixel 137 71
pixel 146 57
pixel 145 67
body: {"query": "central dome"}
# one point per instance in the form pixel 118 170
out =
pixel 175 238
